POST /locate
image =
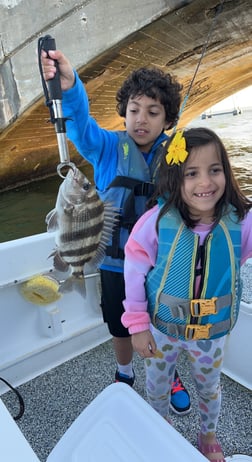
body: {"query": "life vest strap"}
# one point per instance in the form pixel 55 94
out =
pixel 140 187
pixel 137 188
pixel 115 252
pixel 193 331
pixel 181 307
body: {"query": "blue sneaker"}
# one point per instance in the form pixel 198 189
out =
pixel 180 399
pixel 124 378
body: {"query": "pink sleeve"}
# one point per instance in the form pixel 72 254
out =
pixel 140 257
pixel 246 237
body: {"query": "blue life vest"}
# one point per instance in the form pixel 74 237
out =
pixel 170 285
pixel 128 192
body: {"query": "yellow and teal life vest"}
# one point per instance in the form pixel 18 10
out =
pixel 170 285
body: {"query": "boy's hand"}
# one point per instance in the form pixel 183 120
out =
pixel 67 78
pixel 144 344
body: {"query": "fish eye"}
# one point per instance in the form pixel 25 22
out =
pixel 86 186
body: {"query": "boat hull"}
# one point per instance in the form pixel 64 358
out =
pixel 35 338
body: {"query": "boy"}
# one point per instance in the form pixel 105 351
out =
pixel 125 165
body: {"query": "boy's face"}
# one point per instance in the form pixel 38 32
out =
pixel 145 120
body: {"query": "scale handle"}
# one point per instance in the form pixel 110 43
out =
pixel 54 85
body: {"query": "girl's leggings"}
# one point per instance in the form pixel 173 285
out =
pixel 206 357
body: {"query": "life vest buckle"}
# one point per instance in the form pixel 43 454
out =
pixel 203 307
pixel 197 332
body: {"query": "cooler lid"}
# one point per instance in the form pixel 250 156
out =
pixel 119 425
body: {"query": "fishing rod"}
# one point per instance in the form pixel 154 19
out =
pixel 53 97
pixel 219 10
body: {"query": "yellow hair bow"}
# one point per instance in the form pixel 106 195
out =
pixel 177 152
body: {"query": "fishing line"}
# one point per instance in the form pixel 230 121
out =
pixel 219 9
pixel 20 399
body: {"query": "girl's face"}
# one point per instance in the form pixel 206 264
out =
pixel 204 182
pixel 145 120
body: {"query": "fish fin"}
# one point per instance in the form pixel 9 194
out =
pixel 58 262
pixel 68 209
pixel 73 284
pixel 52 221
pixel 111 218
pixel 98 257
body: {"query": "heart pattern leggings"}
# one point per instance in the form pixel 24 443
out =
pixel 205 358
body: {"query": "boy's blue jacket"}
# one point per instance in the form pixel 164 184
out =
pixel 105 150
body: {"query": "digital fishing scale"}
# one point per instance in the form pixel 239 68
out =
pixel 53 95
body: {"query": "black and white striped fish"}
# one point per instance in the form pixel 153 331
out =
pixel 83 225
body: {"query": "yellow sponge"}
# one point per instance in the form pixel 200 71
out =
pixel 40 290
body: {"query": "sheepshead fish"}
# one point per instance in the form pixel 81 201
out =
pixel 83 225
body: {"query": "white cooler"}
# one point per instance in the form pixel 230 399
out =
pixel 119 425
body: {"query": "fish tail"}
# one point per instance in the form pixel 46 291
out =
pixel 73 284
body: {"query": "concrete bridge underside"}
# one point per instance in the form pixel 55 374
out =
pixel 105 41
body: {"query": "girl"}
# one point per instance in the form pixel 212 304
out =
pixel 182 263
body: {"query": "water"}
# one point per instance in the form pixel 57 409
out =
pixel 236 134
pixel 23 210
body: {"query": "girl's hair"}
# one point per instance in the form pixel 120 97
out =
pixel 171 177
pixel 155 84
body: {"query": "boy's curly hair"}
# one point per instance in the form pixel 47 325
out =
pixel 155 84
